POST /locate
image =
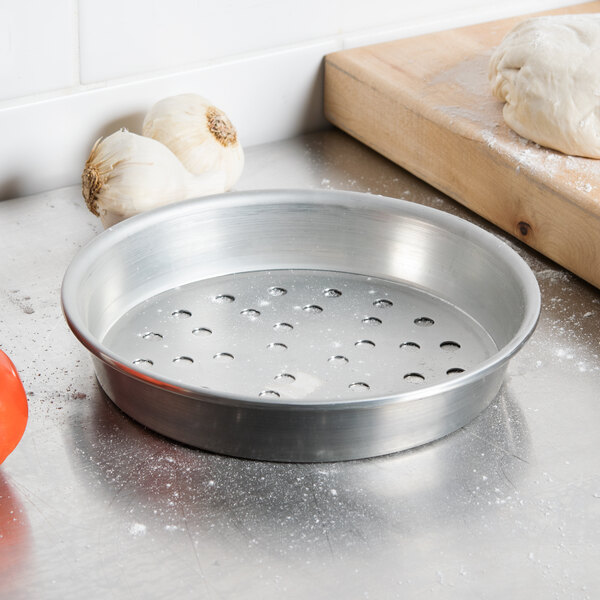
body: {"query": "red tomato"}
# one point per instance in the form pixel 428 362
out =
pixel 13 407
pixel 16 541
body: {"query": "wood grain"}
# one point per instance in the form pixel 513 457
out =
pixel 425 103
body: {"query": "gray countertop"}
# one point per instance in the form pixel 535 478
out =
pixel 92 505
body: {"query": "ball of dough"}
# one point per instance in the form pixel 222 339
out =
pixel 547 70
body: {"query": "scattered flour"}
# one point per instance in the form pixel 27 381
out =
pixel 137 529
pixel 584 186
pixel 483 119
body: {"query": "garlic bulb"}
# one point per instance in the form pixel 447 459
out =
pixel 198 133
pixel 126 174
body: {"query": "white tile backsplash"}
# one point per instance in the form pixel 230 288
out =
pixel 271 97
pixel 155 36
pixel 359 16
pixel 38 47
pixel 71 70
pixel 452 14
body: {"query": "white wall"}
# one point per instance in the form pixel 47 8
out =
pixel 72 70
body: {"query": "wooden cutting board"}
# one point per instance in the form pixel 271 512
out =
pixel 425 103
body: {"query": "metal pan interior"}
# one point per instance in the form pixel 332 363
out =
pixel 282 309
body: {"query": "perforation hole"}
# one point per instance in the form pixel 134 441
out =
pixel 269 394
pixel 143 362
pixel 250 313
pixel 223 357
pixel 181 314
pixel 383 303
pixel 410 346
pixel 359 386
pixel 371 321
pixel 285 378
pixel 277 347
pixel 183 360
pixel 338 360
pixel 455 371
pixel 151 335
pixel 364 344
pixel 450 346
pixel 224 299
pixel 424 322
pixel 414 378
pixel 312 309
pixel 277 291
pixel 332 293
pixel 283 327
pixel 202 331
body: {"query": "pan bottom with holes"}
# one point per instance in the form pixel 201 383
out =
pixel 300 326
pixel 299 334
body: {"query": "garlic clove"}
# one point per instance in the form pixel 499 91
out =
pixel 198 133
pixel 126 174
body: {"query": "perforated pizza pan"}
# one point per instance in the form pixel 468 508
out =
pixel 300 326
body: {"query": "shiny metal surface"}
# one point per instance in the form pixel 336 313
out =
pixel 320 336
pixel 438 282
pixel 93 505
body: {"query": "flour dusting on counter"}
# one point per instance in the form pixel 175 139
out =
pixel 137 529
pixel 108 509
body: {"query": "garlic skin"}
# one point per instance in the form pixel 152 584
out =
pixel 198 133
pixel 127 174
